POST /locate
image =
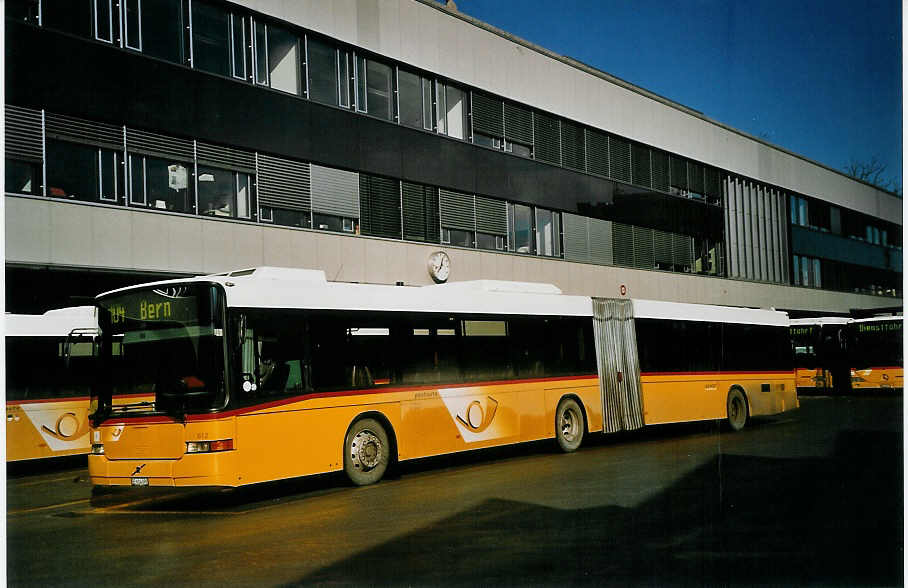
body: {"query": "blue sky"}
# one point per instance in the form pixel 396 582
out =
pixel 820 78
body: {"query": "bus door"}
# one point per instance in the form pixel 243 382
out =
pixel 618 364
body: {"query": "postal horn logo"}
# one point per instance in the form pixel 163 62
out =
pixel 476 418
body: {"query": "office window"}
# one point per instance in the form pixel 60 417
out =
pixel 420 212
pixel 455 112
pixel 260 53
pixel 161 183
pixel 488 241
pixel 162 23
pixel 548 233
pixel 211 33
pixel 330 222
pixel 344 77
pixel 72 170
pixel 110 175
pixel 322 71
pixel 132 24
pixel 70 16
pixel 410 98
pixel 224 192
pixel 378 90
pixel 520 223
pixel 22 177
pixel 284 217
pixel 103 20
pixel 283 60
pixel 488 120
pixel 23 10
pixel 411 109
pixel 238 46
pixel 458 237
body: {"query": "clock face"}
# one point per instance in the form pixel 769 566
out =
pixel 439 266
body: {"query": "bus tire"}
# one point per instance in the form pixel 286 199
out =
pixel 736 409
pixel 366 452
pixel 569 425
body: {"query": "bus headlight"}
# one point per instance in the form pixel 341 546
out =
pixel 209 446
pixel 97 449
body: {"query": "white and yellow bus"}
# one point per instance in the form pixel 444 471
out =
pixel 273 373
pixel 49 371
pixel 876 359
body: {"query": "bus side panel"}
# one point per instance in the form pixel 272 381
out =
pixel 878 378
pixel 46 429
pixel 299 442
pixel 780 396
pixel 678 398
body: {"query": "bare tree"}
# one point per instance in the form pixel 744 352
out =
pixel 872 172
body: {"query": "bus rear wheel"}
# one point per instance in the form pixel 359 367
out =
pixel 569 425
pixel 736 409
pixel 366 452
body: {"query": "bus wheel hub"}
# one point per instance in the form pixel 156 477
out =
pixel 365 450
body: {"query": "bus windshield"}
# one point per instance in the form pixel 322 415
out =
pixel 165 343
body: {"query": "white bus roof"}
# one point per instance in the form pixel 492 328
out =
pixel 274 287
pixel 57 322
pixel 874 319
pixel 822 320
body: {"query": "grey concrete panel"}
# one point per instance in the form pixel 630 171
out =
pixel 28 233
pixel 111 238
pixel 71 234
pixel 185 249
pixel 151 246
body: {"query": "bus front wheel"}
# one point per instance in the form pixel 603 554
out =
pixel 569 425
pixel 366 452
pixel 736 408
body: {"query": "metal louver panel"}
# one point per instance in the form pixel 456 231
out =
pixel 547 138
pixel 518 124
pixel 572 147
pixel 335 191
pixel 678 171
pixel 23 133
pixel 154 143
pixel 379 206
pixel 616 353
pixel 79 130
pixel 619 152
pixel 682 250
pixel 487 115
pixel 283 183
pixel 597 153
pixel 643 248
pixel 623 244
pixel 456 210
pixel 491 216
pixel 601 241
pixel 695 176
pixel 225 157
pixel 660 170
pixel 641 172
pixel 576 237
pixel 662 247
pixel 420 212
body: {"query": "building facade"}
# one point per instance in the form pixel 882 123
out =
pixel 162 138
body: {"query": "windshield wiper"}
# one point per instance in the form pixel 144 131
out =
pixel 134 406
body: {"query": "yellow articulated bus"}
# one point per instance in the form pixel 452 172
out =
pixel 876 354
pixel 273 373
pixel 820 346
pixel 49 368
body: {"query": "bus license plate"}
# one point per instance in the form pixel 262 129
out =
pixel 140 481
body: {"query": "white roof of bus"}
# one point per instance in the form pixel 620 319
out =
pixel 874 319
pixel 822 320
pixel 274 287
pixel 58 322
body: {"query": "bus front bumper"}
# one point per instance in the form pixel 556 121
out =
pixel 206 469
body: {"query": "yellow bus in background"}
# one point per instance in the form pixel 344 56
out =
pixel 876 357
pixel 820 347
pixel 49 372
pixel 272 373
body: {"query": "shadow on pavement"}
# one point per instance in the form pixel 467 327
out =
pixel 738 520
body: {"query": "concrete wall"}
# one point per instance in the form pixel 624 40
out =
pixel 41 232
pixel 429 37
